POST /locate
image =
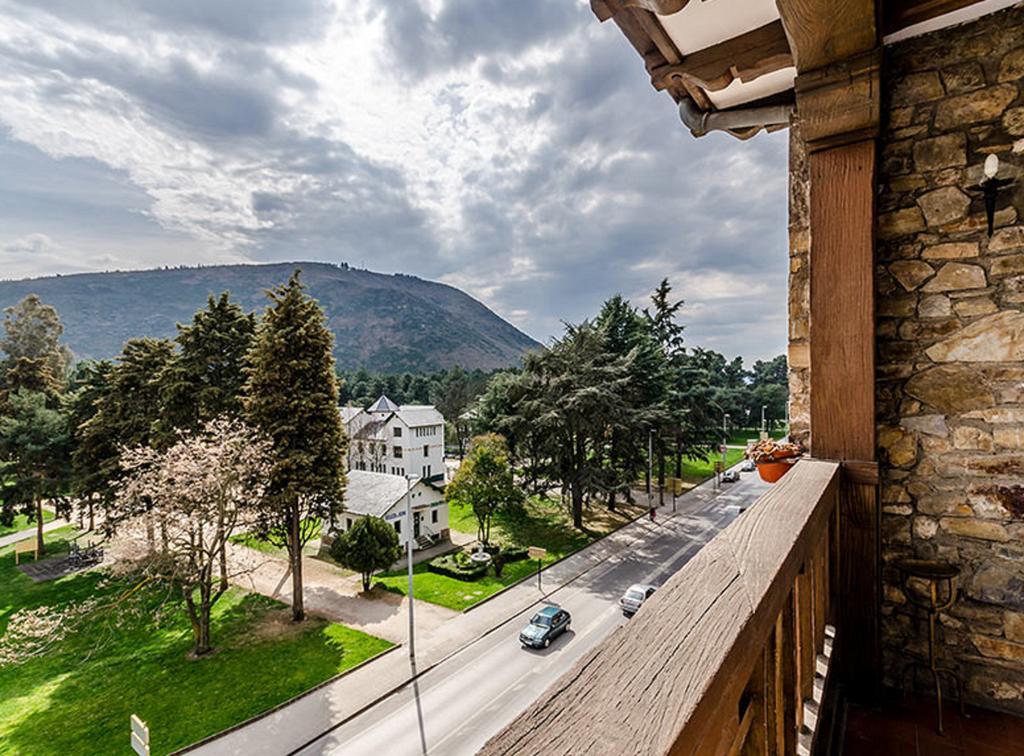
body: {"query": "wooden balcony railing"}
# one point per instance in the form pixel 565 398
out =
pixel 730 656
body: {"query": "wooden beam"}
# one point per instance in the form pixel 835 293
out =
pixel 745 57
pixel 899 14
pixel 843 384
pixel 825 31
pixel 840 102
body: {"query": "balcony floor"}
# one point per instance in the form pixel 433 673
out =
pixel 907 728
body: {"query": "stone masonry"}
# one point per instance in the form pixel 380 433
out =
pixel 950 352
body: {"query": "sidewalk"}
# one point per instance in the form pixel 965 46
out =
pixel 290 727
pixel 22 535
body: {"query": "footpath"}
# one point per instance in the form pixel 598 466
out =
pixel 291 726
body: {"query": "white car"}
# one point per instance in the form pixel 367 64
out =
pixel 748 466
pixel 634 598
pixel 730 476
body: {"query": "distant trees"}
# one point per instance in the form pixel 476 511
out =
pixel 485 482
pixel 34 458
pixel 292 396
pixel 201 489
pixel 371 544
pixel 580 415
pixel 35 444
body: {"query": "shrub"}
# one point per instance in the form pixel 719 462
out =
pixel 457 566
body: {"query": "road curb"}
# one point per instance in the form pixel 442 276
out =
pixel 256 718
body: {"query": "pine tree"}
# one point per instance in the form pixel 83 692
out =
pixel 90 384
pixel 292 396
pixel 206 378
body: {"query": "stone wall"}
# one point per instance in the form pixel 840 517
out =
pixel 799 288
pixel 950 361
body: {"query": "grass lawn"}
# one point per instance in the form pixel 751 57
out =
pixel 250 540
pixel 77 697
pixel 740 436
pixel 699 471
pixel 21 522
pixel 545 524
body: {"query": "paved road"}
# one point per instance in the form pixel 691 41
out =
pixel 455 707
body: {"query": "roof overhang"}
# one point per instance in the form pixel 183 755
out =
pixel 725 56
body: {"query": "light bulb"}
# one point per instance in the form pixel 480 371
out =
pixel 991 166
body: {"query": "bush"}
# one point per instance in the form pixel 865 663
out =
pixel 515 553
pixel 458 566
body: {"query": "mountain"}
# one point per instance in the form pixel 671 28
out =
pixel 386 323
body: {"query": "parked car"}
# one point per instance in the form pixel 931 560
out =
pixel 748 466
pixel 730 476
pixel 546 625
pixel 634 597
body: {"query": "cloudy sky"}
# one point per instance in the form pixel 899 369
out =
pixel 512 148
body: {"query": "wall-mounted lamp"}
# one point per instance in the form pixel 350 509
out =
pixel 990 186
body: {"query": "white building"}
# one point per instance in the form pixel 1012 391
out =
pixel 384 495
pixel 386 438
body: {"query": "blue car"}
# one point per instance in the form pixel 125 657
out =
pixel 546 625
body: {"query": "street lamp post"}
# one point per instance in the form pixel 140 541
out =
pixel 725 436
pixel 408 552
pixel 763 426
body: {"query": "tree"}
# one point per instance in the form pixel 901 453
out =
pixel 484 481
pixel 371 544
pixel 90 384
pixel 292 396
pixel 34 459
pixel 201 488
pixel 452 399
pixel 36 360
pixel 206 377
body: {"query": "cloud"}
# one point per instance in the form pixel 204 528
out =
pixel 516 150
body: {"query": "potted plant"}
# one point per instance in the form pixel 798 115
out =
pixel 774 458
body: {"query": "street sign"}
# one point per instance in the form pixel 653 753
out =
pixel 536 552
pixel 140 736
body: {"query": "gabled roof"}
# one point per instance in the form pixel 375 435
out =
pixel 418 415
pixel 383 405
pixel 348 413
pixel 371 493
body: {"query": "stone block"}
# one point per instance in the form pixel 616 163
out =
pixel 951 389
pixel 925 528
pixel 1013 626
pixel 974 306
pixel 968 437
pixel 934 306
pixel 1008 265
pixel 951 251
pixel 963 77
pixel 911 273
pixel 956 276
pixel 997 414
pixel 970 527
pixel 940 152
pixel 917 87
pixel 1009 437
pixel 1005 239
pixel 1011 67
pixel 998 649
pixel 932 425
pixel 909 220
pixel 944 205
pixel 981 105
pixel 994 338
pixel 1013 121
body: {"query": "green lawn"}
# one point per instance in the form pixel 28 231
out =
pixel 250 540
pixel 699 471
pixel 740 436
pixel 21 522
pixel 78 696
pixel 545 524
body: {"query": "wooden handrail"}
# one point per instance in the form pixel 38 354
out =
pixel 724 658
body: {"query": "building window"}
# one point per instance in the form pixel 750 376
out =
pixel 433 516
pixel 398 452
pixel 398 432
pixel 398 526
pixel 426 450
pixel 348 523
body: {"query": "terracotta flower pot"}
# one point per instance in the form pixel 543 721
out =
pixel 770 472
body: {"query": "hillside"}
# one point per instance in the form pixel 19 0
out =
pixel 387 323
